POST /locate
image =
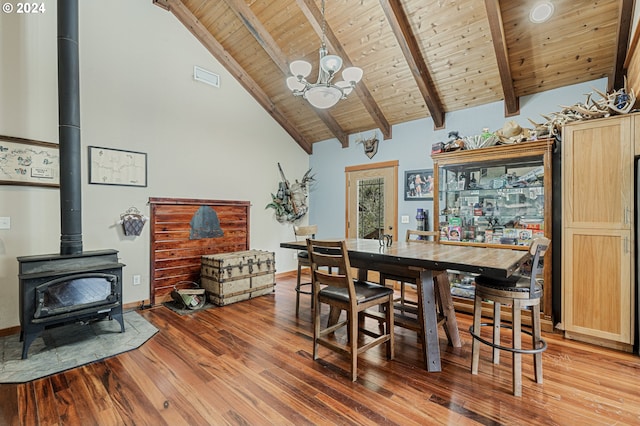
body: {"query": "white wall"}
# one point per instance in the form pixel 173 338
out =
pixel 137 93
pixel 411 146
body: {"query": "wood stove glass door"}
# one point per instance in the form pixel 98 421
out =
pixel 75 292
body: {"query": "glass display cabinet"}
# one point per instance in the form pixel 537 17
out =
pixel 495 197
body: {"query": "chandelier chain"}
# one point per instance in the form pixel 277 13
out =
pixel 324 23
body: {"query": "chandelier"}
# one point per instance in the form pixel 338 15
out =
pixel 323 93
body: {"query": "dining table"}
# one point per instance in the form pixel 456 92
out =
pixel 427 257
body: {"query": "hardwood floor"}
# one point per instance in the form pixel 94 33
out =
pixel 250 364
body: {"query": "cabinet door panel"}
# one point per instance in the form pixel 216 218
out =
pixel 598 174
pixel 597 283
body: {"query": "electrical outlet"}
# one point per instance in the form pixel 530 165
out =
pixel 404 219
pixel 136 280
pixel 295 255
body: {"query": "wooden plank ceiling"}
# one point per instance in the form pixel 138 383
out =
pixel 421 58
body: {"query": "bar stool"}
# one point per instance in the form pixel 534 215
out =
pixel 521 292
pixel 302 233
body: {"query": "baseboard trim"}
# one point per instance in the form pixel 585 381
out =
pixel 598 341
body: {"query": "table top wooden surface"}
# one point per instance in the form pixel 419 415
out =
pixel 429 255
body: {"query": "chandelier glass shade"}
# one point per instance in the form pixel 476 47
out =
pixel 323 93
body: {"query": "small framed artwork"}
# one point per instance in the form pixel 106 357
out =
pixel 109 166
pixel 418 184
pixel 29 162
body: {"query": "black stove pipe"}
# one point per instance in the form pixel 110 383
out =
pixel 69 128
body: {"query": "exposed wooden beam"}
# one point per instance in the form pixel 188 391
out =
pixel 632 62
pixel 333 126
pixel 262 36
pixel 162 3
pixel 616 81
pixel 314 16
pixel 257 30
pixel 402 30
pixel 201 33
pixel 511 101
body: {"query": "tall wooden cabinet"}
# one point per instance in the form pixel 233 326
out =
pixel 495 197
pixel 598 253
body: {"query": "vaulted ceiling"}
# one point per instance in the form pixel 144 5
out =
pixel 421 58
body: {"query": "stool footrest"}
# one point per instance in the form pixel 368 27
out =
pixel 542 344
pixel 299 290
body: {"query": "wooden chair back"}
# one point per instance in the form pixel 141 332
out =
pixel 537 250
pixel 304 232
pixel 421 236
pixel 330 266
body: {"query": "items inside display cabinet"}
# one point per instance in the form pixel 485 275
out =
pixel 500 197
pixel 462 285
pixel 493 203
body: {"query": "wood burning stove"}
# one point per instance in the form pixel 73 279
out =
pixel 73 286
pixel 63 289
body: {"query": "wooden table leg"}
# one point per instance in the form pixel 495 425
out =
pixel 431 346
pixel 451 323
pixel 334 315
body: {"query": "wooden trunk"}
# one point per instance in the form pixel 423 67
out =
pixel 236 276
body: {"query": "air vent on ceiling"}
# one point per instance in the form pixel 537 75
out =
pixel 200 74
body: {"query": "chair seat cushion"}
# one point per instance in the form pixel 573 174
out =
pixel 515 283
pixel 303 254
pixel 511 281
pixel 365 291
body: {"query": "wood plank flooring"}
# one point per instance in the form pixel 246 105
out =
pixel 250 364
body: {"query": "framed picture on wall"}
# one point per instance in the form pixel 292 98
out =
pixel 418 184
pixel 29 162
pixel 108 166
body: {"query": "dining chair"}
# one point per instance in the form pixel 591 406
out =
pixel 408 311
pixel 521 292
pixel 301 234
pixel 334 285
